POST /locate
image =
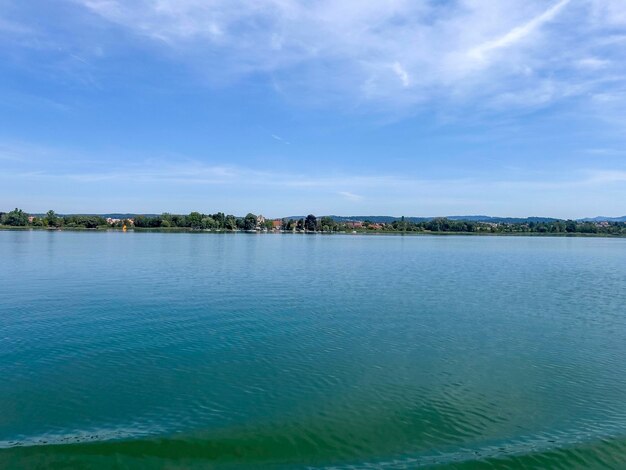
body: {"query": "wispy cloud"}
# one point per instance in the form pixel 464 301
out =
pixel 401 73
pixel 350 196
pixel 483 67
pixel 607 177
pixel 392 54
pixel 39 162
pixel 518 33
pixel 606 151
pixel 7 26
pixel 593 63
pixel 177 183
pixel 280 139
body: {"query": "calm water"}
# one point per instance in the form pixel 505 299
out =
pixel 154 350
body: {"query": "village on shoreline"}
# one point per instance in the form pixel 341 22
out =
pixel 220 222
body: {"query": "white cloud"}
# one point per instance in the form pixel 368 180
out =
pixel 402 74
pixel 612 12
pixel 518 33
pixel 280 139
pixel 350 196
pixel 605 151
pixel 592 63
pixel 606 177
pixel 396 53
pixel 174 183
pixel 29 161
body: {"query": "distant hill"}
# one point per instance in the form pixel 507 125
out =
pixel 387 219
pixel 502 220
pixel 472 218
pixel 605 219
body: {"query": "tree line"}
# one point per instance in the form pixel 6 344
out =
pixel 251 222
pixel 442 224
pixel 199 221
pixel 19 218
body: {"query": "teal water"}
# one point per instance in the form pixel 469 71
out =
pixel 159 350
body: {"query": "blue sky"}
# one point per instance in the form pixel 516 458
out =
pixel 284 107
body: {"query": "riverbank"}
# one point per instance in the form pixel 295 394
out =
pixel 356 232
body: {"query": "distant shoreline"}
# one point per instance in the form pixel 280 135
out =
pixel 220 222
pixel 10 228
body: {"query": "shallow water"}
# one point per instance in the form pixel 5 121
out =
pixel 150 350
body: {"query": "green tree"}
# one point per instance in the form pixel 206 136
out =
pixel 249 222
pixel 51 219
pixel 220 219
pixel 570 226
pixel 16 218
pixel 179 221
pixel 230 222
pixel 141 221
pixel 166 219
pixel 194 220
pixel 208 223
pixel 327 223
pixel 310 223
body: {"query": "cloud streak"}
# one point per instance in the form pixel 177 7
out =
pixel 350 196
pixel 280 139
pixel 391 54
pixel 27 162
pixel 518 33
pixel 183 184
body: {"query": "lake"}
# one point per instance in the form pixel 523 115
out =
pixel 183 350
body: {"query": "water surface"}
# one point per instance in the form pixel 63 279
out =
pixel 150 350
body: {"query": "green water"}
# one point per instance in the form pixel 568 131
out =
pixel 174 350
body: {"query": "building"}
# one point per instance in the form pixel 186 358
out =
pixel 354 224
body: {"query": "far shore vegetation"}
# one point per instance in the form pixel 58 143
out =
pixel 220 222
